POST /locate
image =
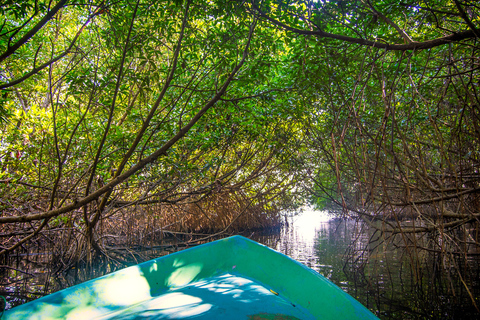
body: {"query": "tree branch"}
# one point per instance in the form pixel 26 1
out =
pixel 50 62
pixel 467 20
pixel 142 163
pixel 33 31
pixel 454 37
pixel 432 200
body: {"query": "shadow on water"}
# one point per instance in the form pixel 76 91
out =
pixel 377 274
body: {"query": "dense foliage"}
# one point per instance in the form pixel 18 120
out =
pixel 135 117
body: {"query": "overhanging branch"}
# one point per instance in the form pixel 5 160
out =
pixel 454 37
pixel 145 161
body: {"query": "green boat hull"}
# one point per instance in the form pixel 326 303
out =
pixel 232 278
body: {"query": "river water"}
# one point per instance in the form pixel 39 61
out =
pixel 379 275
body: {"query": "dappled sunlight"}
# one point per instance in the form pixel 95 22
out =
pixel 184 274
pixel 92 300
pixel 234 286
pixel 173 300
pixel 88 312
pixel 174 305
pixel 193 311
pixel 225 296
pixel 123 289
pixel 153 267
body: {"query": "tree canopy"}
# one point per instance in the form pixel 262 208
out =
pixel 186 109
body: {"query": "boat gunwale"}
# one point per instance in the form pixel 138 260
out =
pixel 236 255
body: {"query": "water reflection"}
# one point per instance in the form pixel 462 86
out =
pixel 299 237
pixel 377 273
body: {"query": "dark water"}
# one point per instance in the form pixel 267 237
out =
pixel 378 274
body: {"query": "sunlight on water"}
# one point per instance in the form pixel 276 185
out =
pixel 307 224
pixel 298 238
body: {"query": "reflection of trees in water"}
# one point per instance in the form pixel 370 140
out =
pixel 392 274
pixel 407 276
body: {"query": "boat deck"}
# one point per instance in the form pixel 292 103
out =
pixel 223 297
pixel 232 278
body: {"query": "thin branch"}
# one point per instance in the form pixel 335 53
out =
pixel 50 62
pixel 402 32
pixel 19 243
pixel 18 270
pixel 437 199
